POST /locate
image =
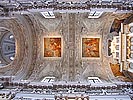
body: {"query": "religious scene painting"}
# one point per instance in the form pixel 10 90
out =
pixel 52 47
pixel 90 47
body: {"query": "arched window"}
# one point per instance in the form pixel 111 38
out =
pixel 131 39
pixel 131 55
pixel 131 65
pixel 11 37
pixel 131 29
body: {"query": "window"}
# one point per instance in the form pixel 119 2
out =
pixel 117 54
pixel 131 47
pixel 48 14
pixel 48 79
pixel 117 47
pixel 94 80
pixel 131 39
pixel 117 40
pixel 11 58
pixel 131 65
pixel 11 36
pixel 109 48
pixel 131 55
pixel 95 14
pixel 131 29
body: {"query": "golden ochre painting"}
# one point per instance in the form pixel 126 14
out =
pixel 52 47
pixel 90 47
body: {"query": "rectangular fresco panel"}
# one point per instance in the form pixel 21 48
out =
pixel 90 47
pixel 52 47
